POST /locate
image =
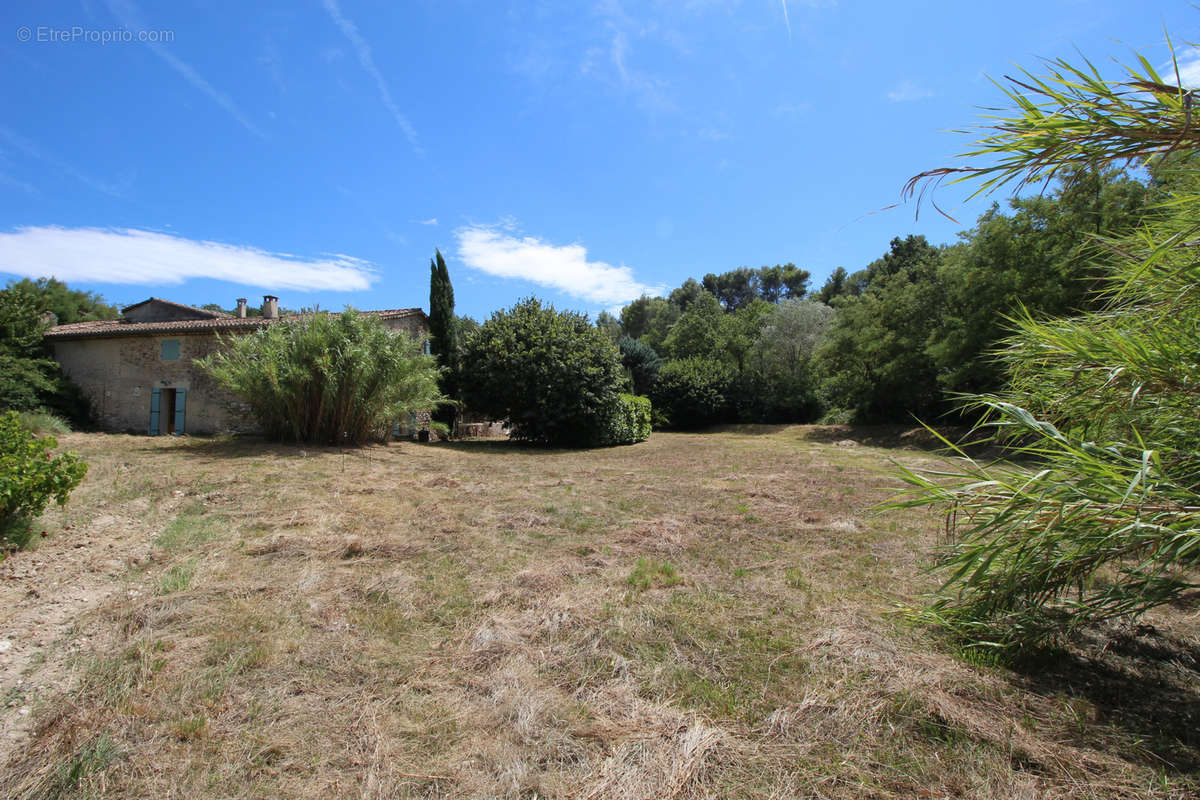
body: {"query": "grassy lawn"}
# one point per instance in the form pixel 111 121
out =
pixel 695 616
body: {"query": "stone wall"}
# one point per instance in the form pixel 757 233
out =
pixel 118 375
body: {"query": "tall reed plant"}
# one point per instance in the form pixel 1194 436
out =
pixel 1095 515
pixel 327 378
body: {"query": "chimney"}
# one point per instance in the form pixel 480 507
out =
pixel 270 306
pixel 241 312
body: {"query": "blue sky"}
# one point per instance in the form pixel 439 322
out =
pixel 584 152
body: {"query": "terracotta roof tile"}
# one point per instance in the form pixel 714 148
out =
pixel 119 327
pixel 204 312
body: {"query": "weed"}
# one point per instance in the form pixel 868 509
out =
pixel 795 579
pixel 91 758
pixel 651 574
pixel 190 529
pixel 178 578
pixel 189 729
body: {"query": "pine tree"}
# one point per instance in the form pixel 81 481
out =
pixel 443 334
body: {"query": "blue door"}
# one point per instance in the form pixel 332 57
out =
pixel 155 399
pixel 180 406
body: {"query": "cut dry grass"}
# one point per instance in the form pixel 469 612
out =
pixel 696 616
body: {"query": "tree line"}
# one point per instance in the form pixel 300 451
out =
pixel 903 337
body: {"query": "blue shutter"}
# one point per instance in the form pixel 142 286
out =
pixel 154 398
pixel 180 407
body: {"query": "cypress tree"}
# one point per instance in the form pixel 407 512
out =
pixel 443 333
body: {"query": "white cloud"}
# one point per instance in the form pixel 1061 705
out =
pixel 907 91
pixel 367 60
pixel 1189 69
pixel 430 221
pixel 124 255
pixel 502 251
pixel 612 64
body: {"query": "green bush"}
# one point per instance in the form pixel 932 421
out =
pixel 327 378
pixel 30 478
pixel 692 392
pixel 641 361
pixel 1096 517
pixel 43 423
pixel 629 421
pixel 30 379
pixel 551 374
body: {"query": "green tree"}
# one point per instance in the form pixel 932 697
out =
pixel 443 335
pixel 779 382
pixel 740 331
pixel 1042 257
pixel 641 361
pixel 739 287
pixel 698 333
pixel 688 293
pixel 649 319
pixel 610 325
pixel 30 378
pixel 873 357
pixel 551 374
pixel 834 286
pixel 66 304
pixel 27 376
pixel 1101 518
pixel 692 393
pixel 326 378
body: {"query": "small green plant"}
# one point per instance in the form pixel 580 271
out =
pixel 90 758
pixel 649 573
pixel 43 423
pixel 795 579
pixel 190 529
pixel 190 729
pixel 178 578
pixel 30 478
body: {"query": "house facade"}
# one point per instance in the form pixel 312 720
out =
pixel 139 370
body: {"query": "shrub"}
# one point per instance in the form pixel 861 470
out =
pixel 641 361
pixel 629 420
pixel 30 478
pixel 332 379
pixel 1098 518
pixel 29 378
pixel 692 392
pixel 43 423
pixel 551 374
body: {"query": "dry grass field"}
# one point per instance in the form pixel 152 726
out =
pixel 696 616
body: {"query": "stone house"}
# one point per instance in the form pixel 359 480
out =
pixel 139 372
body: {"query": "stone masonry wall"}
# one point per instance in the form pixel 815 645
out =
pixel 118 375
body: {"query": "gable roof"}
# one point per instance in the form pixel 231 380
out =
pixel 180 309
pixel 110 328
